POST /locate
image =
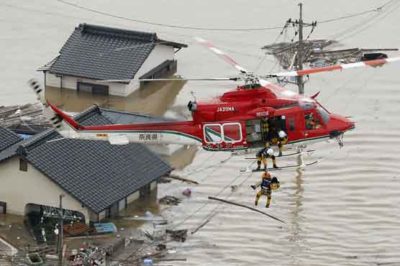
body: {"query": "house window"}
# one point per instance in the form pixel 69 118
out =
pixel 92 88
pixel 3 207
pixel 108 213
pixel 23 165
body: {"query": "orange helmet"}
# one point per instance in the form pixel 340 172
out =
pixel 266 175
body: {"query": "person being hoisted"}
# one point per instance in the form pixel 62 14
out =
pixel 282 139
pixel 262 156
pixel 267 184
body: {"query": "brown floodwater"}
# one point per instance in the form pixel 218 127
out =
pixel 153 98
pixel 342 211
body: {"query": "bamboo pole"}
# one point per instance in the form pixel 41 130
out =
pixel 245 206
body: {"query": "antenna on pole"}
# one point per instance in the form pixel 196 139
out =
pixel 294 54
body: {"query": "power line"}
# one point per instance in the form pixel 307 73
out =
pixel 167 25
pixel 284 30
pixel 378 9
pixel 363 25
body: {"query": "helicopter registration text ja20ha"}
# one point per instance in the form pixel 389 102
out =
pixel 240 119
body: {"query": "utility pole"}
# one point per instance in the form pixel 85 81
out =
pixel 300 82
pixel 61 233
pixel 294 54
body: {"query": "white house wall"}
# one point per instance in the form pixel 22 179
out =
pixel 18 188
pixel 52 80
pixel 153 185
pixel 133 197
pixel 159 54
pixel 70 82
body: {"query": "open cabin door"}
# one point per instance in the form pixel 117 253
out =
pixel 262 130
pixel 222 136
pixel 256 132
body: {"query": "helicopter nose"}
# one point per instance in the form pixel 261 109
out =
pixel 352 125
pixel 340 124
pixel 348 124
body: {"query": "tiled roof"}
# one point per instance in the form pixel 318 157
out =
pixel 96 173
pixel 119 117
pixel 92 117
pixel 9 142
pixel 95 115
pixel 8 138
pixel 104 53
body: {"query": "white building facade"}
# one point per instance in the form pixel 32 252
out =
pixel 112 67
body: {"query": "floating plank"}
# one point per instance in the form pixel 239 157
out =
pixel 182 179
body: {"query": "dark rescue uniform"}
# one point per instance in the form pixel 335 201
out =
pixel 262 156
pixel 267 184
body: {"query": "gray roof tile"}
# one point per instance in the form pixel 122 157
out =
pixel 99 52
pixel 95 115
pixel 8 138
pixel 96 173
pixel 92 117
pixel 119 117
pixel 9 142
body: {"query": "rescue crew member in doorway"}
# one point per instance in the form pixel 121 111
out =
pixel 262 156
pixel 267 184
pixel 282 140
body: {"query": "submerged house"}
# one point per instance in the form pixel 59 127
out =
pixel 110 61
pixel 96 178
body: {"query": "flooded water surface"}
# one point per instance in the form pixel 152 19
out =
pixel 342 211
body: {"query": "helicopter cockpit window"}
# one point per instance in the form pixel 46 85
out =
pixel 306 105
pixel 312 122
pixel 324 114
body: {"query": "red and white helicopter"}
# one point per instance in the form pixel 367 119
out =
pixel 234 121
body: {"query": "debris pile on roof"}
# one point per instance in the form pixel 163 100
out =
pixel 315 53
pixel 27 117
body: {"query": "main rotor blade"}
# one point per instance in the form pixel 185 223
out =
pixel 192 79
pixel 221 54
pixel 373 63
pixel 169 79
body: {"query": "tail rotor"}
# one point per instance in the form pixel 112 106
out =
pixel 54 118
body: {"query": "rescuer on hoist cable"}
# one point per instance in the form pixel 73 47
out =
pixel 267 184
pixel 262 156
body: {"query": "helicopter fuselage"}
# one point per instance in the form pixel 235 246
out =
pixel 247 117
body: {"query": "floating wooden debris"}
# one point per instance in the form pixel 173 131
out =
pixel 170 200
pixel 34 259
pixel 183 179
pixel 76 229
pixel 178 235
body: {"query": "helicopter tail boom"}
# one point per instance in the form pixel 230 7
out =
pixel 75 125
